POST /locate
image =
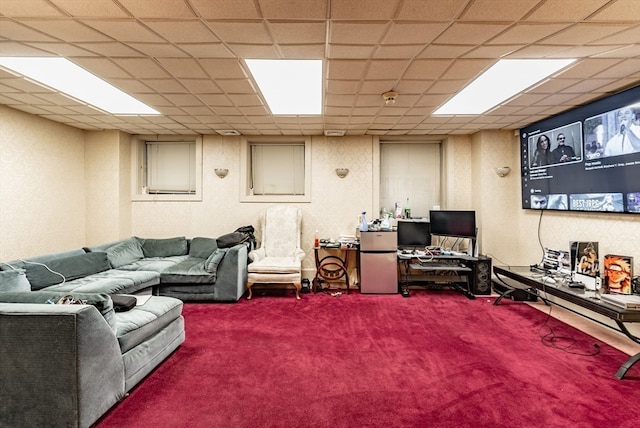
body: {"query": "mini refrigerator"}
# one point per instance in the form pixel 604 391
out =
pixel 378 262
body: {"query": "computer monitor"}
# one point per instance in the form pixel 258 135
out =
pixel 413 234
pixel 461 224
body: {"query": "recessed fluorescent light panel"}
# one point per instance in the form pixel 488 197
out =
pixel 290 87
pixel 503 80
pixel 62 75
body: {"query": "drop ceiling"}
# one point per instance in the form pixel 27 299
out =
pixel 184 58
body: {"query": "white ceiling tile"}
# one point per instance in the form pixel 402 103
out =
pixel 469 33
pixel 374 9
pixel 16 31
pixel 304 10
pixel 225 9
pixel 565 10
pixel 179 31
pixel 125 30
pixel 66 29
pixel 158 8
pixel 241 32
pixel 497 10
pixel 22 8
pixel 92 8
pixel 357 33
pixel 299 32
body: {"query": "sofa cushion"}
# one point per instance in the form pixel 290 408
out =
pixel 202 247
pixel 14 280
pixel 188 271
pixel 110 281
pixel 156 264
pixel 125 252
pixel 145 321
pixel 212 262
pixel 41 275
pixel 165 247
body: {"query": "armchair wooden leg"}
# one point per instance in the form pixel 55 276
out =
pixel 298 288
pixel 249 284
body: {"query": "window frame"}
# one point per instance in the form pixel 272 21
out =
pixel 139 168
pixel 246 194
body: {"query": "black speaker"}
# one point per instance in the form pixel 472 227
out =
pixel 481 276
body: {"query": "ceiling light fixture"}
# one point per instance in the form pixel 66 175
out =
pixel 64 76
pixel 506 78
pixel 290 87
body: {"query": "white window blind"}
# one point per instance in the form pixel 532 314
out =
pixel 171 167
pixel 410 170
pixel 277 169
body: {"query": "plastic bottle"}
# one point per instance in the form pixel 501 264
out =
pixel 364 227
pixel 316 240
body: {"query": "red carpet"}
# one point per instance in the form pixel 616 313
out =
pixel 435 359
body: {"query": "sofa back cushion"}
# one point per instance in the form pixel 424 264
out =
pixel 124 253
pixel 14 280
pixel 42 275
pixel 165 247
pixel 202 247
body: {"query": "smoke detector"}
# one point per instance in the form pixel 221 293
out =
pixel 390 97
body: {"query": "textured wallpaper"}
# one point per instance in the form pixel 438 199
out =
pixel 42 186
pixel 61 188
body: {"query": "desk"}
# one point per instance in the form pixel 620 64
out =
pixel 458 271
pixel 334 265
pixel 583 298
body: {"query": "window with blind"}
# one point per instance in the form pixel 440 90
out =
pixel 276 170
pixel 171 167
pixel 167 168
pixel 410 170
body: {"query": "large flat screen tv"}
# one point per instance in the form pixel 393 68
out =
pixel 461 224
pixel 587 159
pixel 413 234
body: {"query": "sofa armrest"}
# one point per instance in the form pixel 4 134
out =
pixel 231 277
pixel 60 365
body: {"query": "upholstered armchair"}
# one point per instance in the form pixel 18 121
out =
pixel 278 260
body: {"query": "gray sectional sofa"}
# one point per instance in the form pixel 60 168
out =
pixel 67 364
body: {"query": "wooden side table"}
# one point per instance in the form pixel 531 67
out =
pixel 332 266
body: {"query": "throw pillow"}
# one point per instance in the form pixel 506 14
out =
pixel 124 253
pixel 41 275
pixel 202 247
pixel 14 280
pixel 165 247
pixel 211 264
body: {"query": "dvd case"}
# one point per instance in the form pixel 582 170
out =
pixel 584 258
pixel 618 271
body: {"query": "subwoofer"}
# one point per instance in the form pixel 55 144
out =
pixel 481 276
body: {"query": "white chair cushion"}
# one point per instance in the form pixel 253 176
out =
pixel 275 265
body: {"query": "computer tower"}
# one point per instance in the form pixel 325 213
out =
pixel 481 276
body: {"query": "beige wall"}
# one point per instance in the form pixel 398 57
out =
pixel 62 188
pixel 42 186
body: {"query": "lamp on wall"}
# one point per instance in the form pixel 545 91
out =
pixel 342 172
pixel 221 172
pixel 502 170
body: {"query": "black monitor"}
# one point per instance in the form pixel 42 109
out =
pixel 460 224
pixel 413 234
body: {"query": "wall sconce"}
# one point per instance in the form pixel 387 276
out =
pixel 342 172
pixel 221 172
pixel 502 171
